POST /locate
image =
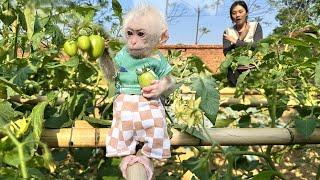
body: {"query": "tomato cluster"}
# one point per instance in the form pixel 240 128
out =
pixel 93 44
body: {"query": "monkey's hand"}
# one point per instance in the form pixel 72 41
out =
pixel 158 87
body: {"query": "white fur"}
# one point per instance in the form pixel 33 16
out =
pixel 146 14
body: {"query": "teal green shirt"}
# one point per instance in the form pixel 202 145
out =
pixel 127 79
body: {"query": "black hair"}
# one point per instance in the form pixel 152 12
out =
pixel 238 3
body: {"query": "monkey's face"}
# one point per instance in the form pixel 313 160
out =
pixel 140 42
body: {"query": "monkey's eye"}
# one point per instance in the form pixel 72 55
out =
pixel 141 34
pixel 129 33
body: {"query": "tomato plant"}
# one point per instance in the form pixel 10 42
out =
pixel 40 86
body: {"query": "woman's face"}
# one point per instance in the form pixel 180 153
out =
pixel 239 15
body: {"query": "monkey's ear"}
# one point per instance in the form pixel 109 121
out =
pixel 164 37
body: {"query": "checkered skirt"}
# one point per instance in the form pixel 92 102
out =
pixel 136 118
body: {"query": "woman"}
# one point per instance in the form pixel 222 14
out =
pixel 242 33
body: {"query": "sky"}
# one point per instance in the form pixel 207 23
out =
pixel 182 30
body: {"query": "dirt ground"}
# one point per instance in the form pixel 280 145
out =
pixel 299 162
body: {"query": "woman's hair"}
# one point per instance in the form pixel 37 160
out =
pixel 238 3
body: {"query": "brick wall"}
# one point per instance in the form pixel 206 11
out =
pixel 212 55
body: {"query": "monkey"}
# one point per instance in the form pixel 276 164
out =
pixel 138 114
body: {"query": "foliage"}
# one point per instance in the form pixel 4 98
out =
pixel 293 15
pixel 284 68
pixel 43 88
pixel 57 89
pixel 281 67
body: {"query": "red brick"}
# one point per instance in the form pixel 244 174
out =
pixel 211 55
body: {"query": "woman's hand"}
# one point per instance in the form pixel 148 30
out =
pixel 230 38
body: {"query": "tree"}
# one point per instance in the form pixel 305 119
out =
pixel 296 14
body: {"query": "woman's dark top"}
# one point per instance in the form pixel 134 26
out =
pixel 227 46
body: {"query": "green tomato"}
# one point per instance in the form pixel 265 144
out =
pixel 83 42
pixel 97 46
pixel 145 79
pixel 70 47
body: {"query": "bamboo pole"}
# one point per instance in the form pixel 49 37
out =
pixel 95 137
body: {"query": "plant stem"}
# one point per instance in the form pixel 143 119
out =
pixel 264 156
pixel 16 38
pixel 213 142
pixel 230 158
pixel 272 101
pixel 19 146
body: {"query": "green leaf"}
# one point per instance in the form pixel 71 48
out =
pixel 244 121
pixel 294 42
pixel 198 166
pixel 85 72
pixel 110 169
pixel 306 125
pixel 73 62
pixel 56 34
pixel 115 45
pixel 76 106
pixel 225 64
pixel 36 39
pixel 243 60
pixel 312 38
pixel 8 173
pixel 117 9
pixel 23 74
pixel 60 121
pixel 242 77
pixel 12 157
pixel 317 74
pixel 30 17
pixel 206 89
pixel 36 173
pixel 264 175
pixel 36 118
pixel 83 155
pixel 281 104
pixel 59 154
pixel 97 121
pixel 7 17
pixel 89 16
pixel 197 63
pixel 191 130
pixel 52 98
pixel 6 113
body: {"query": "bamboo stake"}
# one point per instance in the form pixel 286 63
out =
pixel 95 137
